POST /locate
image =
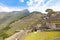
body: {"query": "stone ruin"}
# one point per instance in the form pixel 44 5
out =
pixel 48 23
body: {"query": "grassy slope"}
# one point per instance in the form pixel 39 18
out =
pixel 24 23
pixel 10 18
pixel 42 36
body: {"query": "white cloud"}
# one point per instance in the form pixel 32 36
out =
pixel 21 0
pixel 4 8
pixel 7 9
pixel 34 5
pixel 56 7
pixel 39 5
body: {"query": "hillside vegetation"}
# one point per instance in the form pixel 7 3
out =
pixel 10 18
pixel 32 19
pixel 47 25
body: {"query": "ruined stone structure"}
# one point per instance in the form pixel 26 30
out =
pixel 52 22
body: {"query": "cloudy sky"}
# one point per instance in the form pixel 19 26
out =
pixel 31 5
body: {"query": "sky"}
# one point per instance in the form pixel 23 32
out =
pixel 31 5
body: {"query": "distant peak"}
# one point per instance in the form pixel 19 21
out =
pixel 25 10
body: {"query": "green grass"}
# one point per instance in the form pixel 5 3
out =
pixel 42 36
pixel 57 22
pixel 3 35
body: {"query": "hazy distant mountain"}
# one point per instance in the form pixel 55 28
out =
pixel 9 17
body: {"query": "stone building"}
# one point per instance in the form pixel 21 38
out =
pixel 52 22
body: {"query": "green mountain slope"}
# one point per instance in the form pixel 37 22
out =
pixel 13 22
pixel 32 19
pixel 11 17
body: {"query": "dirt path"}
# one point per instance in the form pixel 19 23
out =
pixel 17 36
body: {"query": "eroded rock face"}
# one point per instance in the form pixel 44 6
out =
pixel 51 25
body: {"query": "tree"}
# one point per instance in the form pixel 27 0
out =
pixel 49 15
pixel 50 12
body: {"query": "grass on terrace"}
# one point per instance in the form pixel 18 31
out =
pixel 42 36
pixel 57 22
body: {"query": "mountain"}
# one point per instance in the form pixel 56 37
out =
pixel 9 17
pixel 13 22
pixel 32 19
pixel 18 20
